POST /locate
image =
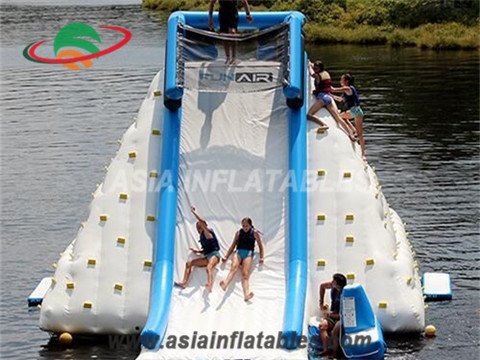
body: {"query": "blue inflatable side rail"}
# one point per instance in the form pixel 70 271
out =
pixel 162 279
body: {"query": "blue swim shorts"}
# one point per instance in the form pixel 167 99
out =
pixel 356 110
pixel 325 97
pixel 243 254
pixel 212 254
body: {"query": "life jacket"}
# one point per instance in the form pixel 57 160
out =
pixel 209 245
pixel 335 300
pixel 246 240
pixel 351 100
pixel 324 84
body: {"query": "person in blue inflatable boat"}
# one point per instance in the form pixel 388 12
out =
pixel 210 251
pixel 331 316
pixel 244 242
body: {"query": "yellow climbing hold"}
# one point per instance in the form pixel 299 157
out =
pixel 349 217
pixel 118 287
pixel 349 239
pixel 370 261
pixel 321 262
pixel 121 241
pixel 147 263
pixel 351 276
pixel 347 175
pixel 87 305
pixel 70 285
pixel 321 172
pixel 123 196
pixel 157 93
pixel 382 305
pixel 150 218
pixel 153 174
pixel 156 132
pixel 321 217
pixel 132 154
pixel 91 261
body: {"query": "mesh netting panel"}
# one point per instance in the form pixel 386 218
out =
pixel 257 60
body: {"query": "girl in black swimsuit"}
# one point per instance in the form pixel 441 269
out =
pixel 228 18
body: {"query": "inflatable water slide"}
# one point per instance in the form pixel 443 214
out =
pixel 231 138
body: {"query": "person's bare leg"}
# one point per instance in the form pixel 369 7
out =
pixel 188 270
pixel 342 122
pixel 335 339
pixel 361 139
pixel 347 116
pixel 324 337
pixel 246 267
pixel 211 265
pixel 311 114
pixel 235 264
pixel 226 46
pixel 233 47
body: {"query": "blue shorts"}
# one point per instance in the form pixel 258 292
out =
pixel 356 110
pixel 325 97
pixel 243 254
pixel 212 254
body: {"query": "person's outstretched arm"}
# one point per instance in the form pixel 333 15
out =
pixel 342 89
pixel 247 10
pixel 232 247
pixel 323 287
pixel 260 246
pixel 203 223
pixel 210 14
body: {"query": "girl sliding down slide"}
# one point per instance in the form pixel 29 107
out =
pixel 210 250
pixel 244 241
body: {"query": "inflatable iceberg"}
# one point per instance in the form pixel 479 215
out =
pixel 232 140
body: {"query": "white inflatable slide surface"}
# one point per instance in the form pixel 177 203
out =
pixel 233 163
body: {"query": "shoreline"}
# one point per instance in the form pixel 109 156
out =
pixel 437 36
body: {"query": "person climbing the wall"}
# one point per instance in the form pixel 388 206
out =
pixel 210 251
pixel 228 18
pixel 352 104
pixel 323 97
pixel 331 317
pixel 244 242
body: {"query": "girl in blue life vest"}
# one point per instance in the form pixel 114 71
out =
pixel 244 242
pixel 210 251
pixel 352 104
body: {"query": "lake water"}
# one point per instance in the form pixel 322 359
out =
pixel 59 127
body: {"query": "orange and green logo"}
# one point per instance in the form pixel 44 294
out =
pixel 73 36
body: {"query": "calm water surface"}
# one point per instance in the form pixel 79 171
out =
pixel 59 127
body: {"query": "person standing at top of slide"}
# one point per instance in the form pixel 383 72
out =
pixel 228 18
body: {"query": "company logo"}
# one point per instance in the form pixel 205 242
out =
pixel 241 77
pixel 72 36
pixel 249 77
